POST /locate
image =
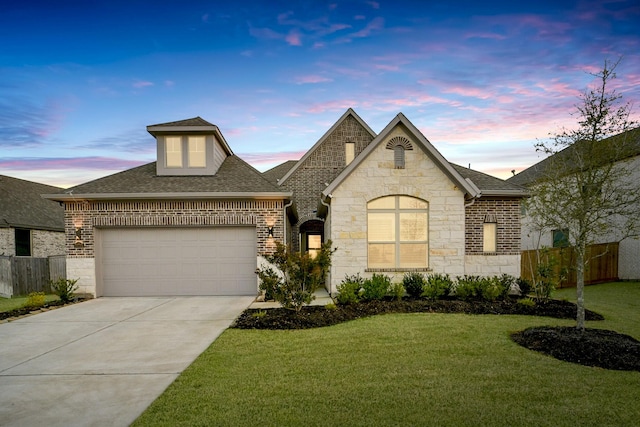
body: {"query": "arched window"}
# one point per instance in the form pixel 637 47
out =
pixel 397 232
pixel 399 145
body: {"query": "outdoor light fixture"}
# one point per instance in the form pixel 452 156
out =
pixel 270 231
pixel 78 243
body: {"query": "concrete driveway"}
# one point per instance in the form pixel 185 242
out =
pixel 102 362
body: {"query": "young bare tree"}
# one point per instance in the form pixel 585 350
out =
pixel 587 186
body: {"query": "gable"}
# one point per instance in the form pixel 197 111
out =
pixel 401 132
pixel 329 151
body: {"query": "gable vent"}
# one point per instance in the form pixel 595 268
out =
pixel 401 141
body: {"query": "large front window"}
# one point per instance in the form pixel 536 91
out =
pixel 397 229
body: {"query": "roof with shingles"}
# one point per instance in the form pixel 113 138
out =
pixel 490 185
pixel 21 205
pixel 195 121
pixel 234 176
pixel 538 170
pixel 277 172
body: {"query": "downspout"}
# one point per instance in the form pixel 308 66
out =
pixel 328 206
pixel 284 221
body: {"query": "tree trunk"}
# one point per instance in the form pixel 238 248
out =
pixel 580 253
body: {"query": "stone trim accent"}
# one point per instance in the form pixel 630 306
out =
pixel 401 141
pixel 397 270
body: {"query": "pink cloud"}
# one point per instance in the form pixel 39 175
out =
pixel 375 25
pixel 294 38
pixel 342 104
pixel 374 4
pixel 493 36
pixel 387 67
pixel 470 92
pixel 359 17
pixel 312 79
pixel 271 158
pixel 58 163
pixel 265 33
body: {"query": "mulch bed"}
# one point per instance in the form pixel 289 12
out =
pixel 25 311
pixel 317 316
pixel 590 347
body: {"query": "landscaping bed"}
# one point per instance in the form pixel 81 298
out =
pixel 25 311
pixel 317 316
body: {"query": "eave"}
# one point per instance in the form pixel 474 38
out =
pixel 170 196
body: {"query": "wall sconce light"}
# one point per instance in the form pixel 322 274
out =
pixel 270 231
pixel 78 243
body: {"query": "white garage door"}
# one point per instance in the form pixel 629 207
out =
pixel 177 261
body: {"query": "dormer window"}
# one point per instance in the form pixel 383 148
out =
pixel 173 155
pixel 197 152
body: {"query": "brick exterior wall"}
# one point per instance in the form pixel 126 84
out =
pixel 507 215
pixel 321 168
pixel 87 215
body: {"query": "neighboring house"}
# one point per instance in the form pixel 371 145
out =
pixel 198 221
pixel 29 224
pixel 629 248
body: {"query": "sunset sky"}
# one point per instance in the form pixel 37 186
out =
pixel 81 80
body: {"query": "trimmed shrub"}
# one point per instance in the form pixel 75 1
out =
pixel 507 283
pixel 437 286
pixel 376 288
pixel 468 287
pixel 350 289
pixel 490 288
pixel 413 284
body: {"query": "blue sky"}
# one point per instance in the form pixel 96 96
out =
pixel 81 80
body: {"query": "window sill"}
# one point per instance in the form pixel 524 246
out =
pixel 397 270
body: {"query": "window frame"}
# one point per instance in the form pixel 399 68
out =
pixel 399 157
pixel 173 139
pixel 349 152
pixel 196 139
pixel 395 243
pixel 490 229
pixel 23 242
pixel 560 238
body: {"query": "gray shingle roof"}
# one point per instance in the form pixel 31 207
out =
pixel 490 185
pixel 234 176
pixel 277 172
pixel 22 206
pixel 195 121
pixel 537 171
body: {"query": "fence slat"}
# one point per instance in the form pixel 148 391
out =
pixel 23 275
pixel 602 265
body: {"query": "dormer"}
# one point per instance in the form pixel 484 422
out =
pixel 189 147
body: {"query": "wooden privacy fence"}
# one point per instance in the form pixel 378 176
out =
pixel 23 275
pixel 602 265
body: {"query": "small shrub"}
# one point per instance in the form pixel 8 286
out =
pixel 437 286
pixel 259 314
pixel 376 288
pixel 350 289
pixel 331 306
pixel 269 283
pixel 65 289
pixel 468 287
pixel 35 300
pixel 527 302
pixel 397 291
pixel 414 284
pixel 490 288
pixel 524 285
pixel 507 283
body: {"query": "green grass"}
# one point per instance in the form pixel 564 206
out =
pixel 405 369
pixel 8 304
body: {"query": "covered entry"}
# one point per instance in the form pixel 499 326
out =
pixel 176 261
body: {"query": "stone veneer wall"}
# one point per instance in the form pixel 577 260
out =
pixel 321 168
pixel 162 213
pixel 47 243
pixel 375 177
pixel 7 241
pixel 507 214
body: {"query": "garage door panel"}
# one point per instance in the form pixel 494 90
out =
pixel 178 261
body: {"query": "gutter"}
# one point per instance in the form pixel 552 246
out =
pixel 165 196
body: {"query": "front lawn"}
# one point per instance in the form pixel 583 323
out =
pixel 406 369
pixel 9 304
